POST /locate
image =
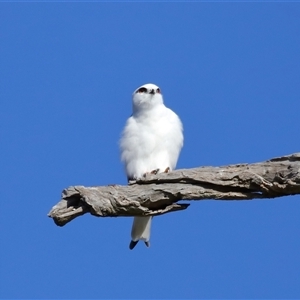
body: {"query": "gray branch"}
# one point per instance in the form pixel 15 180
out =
pixel 158 194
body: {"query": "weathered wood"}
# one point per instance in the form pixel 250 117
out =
pixel 158 194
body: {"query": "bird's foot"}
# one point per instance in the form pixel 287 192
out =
pixel 147 244
pixel 154 171
pixel 167 170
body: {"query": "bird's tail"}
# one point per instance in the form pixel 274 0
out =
pixel 140 231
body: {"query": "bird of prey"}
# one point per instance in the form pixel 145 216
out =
pixel 150 143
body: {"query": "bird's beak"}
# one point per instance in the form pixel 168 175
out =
pixel 152 92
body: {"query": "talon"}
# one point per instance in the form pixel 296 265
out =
pixel 167 170
pixel 154 171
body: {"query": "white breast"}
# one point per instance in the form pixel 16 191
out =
pixel 151 140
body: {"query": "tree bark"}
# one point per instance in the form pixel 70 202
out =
pixel 158 194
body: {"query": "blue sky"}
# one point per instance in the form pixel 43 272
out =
pixel 229 70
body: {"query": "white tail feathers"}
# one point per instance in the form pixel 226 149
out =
pixel 140 231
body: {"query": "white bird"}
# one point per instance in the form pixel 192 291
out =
pixel 150 143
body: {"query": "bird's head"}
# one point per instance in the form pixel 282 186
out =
pixel 146 97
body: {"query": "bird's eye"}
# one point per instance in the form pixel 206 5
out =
pixel 142 90
pixel 158 91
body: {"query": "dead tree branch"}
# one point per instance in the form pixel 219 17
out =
pixel 158 194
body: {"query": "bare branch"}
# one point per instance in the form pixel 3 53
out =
pixel 158 194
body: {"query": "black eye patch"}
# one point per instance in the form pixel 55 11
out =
pixel 142 90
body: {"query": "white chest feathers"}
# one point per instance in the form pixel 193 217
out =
pixel 152 139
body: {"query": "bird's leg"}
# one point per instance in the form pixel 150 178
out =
pixel 167 170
